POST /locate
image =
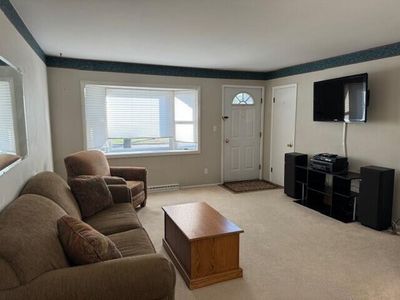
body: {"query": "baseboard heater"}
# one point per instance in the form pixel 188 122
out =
pixel 163 188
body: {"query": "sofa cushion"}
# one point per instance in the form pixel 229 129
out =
pixel 92 162
pixel 9 279
pixel 53 187
pixel 120 217
pixel 136 187
pixel 133 242
pixel 83 244
pixel 28 231
pixel 92 194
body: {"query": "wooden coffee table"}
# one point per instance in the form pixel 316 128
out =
pixel 202 243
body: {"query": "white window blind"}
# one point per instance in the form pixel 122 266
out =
pixel 137 120
pixel 7 133
pixel 96 116
pixel 139 113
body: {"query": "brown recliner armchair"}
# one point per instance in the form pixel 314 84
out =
pixel 94 163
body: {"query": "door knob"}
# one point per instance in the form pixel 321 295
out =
pixel 289 145
pixel 225 118
pixel 226 140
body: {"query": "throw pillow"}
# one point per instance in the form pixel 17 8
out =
pixel 83 244
pixel 110 180
pixel 91 193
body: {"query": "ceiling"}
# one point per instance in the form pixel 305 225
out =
pixel 252 35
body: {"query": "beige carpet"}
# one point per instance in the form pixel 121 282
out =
pixel 289 251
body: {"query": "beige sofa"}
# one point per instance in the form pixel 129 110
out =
pixel 33 264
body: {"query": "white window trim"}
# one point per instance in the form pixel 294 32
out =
pixel 155 86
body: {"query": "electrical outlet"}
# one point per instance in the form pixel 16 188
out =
pixel 214 128
pixel 205 171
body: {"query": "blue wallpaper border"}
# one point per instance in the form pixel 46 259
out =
pixel 148 69
pixel 10 12
pixel 337 61
pixel 122 67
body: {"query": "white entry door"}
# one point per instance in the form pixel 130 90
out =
pixel 283 127
pixel 242 133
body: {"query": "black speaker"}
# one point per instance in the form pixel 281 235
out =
pixel 376 197
pixel 293 159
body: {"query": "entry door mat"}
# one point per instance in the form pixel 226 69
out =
pixel 249 186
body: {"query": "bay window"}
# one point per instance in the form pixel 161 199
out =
pixel 141 120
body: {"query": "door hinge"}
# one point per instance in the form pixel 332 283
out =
pixel 260 134
pixel 259 166
pixel 273 100
pixel 261 100
pixel 272 169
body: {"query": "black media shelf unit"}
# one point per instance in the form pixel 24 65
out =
pixel 328 193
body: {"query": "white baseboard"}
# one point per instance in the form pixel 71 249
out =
pixel 199 185
pixel 176 187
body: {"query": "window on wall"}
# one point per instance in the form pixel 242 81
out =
pixel 136 120
pixel 7 132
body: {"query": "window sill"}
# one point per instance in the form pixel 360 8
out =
pixel 150 154
pixel 9 167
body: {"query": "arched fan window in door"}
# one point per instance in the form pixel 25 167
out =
pixel 243 98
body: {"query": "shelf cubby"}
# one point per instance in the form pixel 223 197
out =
pixel 327 193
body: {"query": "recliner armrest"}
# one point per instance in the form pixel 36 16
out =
pixel 120 193
pixel 130 173
pixel 138 277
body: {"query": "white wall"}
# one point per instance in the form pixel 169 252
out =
pixel 14 48
pixel 67 127
pixel 376 142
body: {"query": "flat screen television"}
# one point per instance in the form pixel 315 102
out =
pixel 342 99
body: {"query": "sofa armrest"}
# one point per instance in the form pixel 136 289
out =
pixel 138 277
pixel 113 180
pixel 120 193
pixel 130 173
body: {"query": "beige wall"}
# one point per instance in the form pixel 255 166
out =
pixel 67 127
pixel 14 48
pixel 377 142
